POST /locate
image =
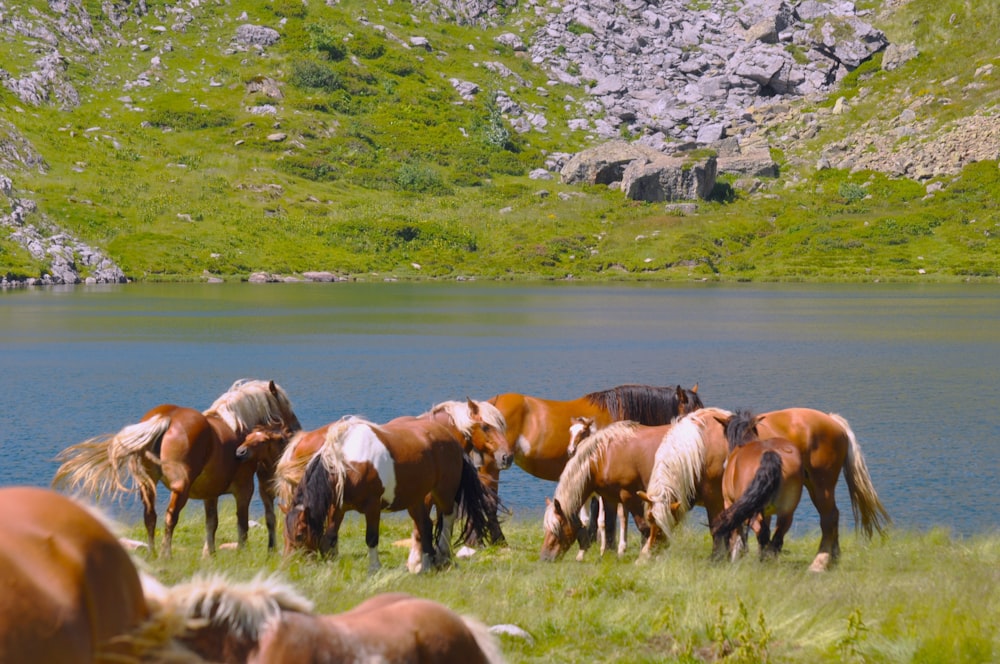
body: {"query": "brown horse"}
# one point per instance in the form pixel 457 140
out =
pixel 70 591
pixel 763 478
pixel 266 621
pixel 615 463
pixel 690 463
pixel 538 429
pixel 409 463
pixel 264 446
pixel 193 453
pixel 477 423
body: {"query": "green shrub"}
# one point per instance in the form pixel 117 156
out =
pixel 316 75
pixel 367 45
pixel 322 38
pixel 420 179
pixel 190 119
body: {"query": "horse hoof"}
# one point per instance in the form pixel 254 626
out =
pixel 465 552
pixel 821 563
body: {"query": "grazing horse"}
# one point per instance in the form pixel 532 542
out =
pixel 690 463
pixel 763 478
pixel 615 463
pixel 264 446
pixel 71 593
pixel 264 621
pixel 193 453
pixel 477 423
pixel 409 463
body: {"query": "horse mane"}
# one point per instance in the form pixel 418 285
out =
pixel 679 462
pixel 245 609
pixel 647 404
pixel 741 429
pixel 569 491
pixel 459 413
pixel 248 403
pixel 289 469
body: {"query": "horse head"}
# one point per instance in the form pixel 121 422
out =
pixel 579 429
pixel 264 443
pixel 561 530
pixel 310 510
pixel 481 427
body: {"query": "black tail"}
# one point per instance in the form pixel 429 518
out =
pixel 741 428
pixel 476 501
pixel 760 492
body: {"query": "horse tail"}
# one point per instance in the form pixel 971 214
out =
pixel 869 512
pixel 96 465
pixel 763 486
pixel 485 640
pixel 741 429
pixel 477 501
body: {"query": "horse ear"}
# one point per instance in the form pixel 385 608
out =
pixel 682 396
pixel 273 388
pixel 644 496
pixel 558 508
pixel 473 406
pixel 694 390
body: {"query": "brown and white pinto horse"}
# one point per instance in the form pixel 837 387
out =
pixel 763 478
pixel 410 463
pixel 264 621
pixel 477 423
pixel 192 452
pixel 615 463
pixel 690 464
pixel 71 593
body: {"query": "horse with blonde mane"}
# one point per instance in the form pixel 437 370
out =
pixel 690 463
pixel 410 463
pixel 71 593
pixel 614 463
pixel 192 452
pixel 266 621
pixel 478 424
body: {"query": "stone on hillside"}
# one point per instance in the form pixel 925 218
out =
pixel 510 40
pixel 256 35
pixel 896 55
pixel 605 163
pixel 666 178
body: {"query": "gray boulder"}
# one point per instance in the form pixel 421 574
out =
pixel 666 178
pixel 605 163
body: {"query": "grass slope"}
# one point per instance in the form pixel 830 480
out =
pixel 372 165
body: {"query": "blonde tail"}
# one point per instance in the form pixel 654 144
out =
pixel 869 513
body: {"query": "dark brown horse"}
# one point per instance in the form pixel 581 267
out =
pixel 410 463
pixel 763 478
pixel 615 463
pixel 71 593
pixel 192 452
pixel 690 464
pixel 264 621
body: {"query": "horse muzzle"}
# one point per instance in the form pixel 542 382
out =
pixel 504 461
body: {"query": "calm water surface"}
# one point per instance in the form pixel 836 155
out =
pixel 914 369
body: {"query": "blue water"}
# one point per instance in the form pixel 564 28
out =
pixel 914 369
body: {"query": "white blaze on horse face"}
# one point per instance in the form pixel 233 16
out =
pixel 362 444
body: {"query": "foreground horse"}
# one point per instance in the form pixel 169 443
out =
pixel 689 466
pixel 763 478
pixel 413 464
pixel 264 621
pixel 70 591
pixel 615 463
pixel 193 453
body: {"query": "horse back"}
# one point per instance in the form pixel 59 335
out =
pixel 821 440
pixel 69 586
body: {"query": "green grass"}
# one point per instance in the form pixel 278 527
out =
pixel 913 597
pixel 384 167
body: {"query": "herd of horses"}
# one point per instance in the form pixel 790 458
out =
pixel 649 452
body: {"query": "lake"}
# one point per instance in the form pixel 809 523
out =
pixel 915 369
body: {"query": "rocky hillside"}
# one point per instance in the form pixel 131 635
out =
pixel 671 77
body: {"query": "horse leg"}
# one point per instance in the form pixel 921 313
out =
pixel 373 517
pixel 267 498
pixel 622 529
pixel 331 538
pixel 763 528
pixel 211 525
pixel 244 495
pixel 821 491
pixel 421 515
pixel 444 539
pixel 148 495
pixel 782 524
pixel 178 499
pixel 602 524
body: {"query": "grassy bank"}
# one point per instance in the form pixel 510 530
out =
pixel 914 597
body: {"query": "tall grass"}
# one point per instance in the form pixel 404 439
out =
pixel 914 597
